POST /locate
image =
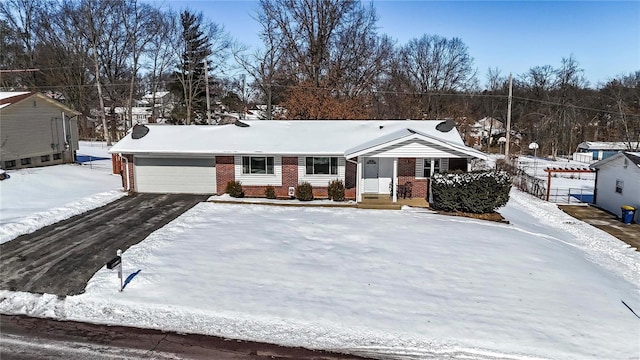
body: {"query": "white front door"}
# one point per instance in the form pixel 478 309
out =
pixel 371 175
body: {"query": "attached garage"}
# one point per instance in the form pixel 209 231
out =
pixel 175 175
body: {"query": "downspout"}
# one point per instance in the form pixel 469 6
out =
pixel 595 188
pixel 64 132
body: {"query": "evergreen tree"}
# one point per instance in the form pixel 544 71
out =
pixel 195 48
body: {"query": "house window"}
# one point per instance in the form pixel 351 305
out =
pixel 44 158
pixel 322 165
pixel 427 167
pixel 619 186
pixel 10 164
pixel 57 156
pixel 25 161
pixel 257 165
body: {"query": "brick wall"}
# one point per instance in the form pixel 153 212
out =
pixel 225 172
pixel 289 178
pixel 407 172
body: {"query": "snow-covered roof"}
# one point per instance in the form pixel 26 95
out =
pixel 158 95
pixel 634 157
pixel 9 94
pixel 600 145
pixel 294 137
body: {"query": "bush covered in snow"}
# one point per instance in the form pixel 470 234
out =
pixel 476 192
pixel 234 189
pixel 336 190
pixel 304 191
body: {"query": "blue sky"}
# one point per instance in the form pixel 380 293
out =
pixel 603 36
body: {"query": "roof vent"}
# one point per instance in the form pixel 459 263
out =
pixel 139 131
pixel 446 125
pixel 240 124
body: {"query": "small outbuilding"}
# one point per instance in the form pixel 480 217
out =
pixel 36 130
pixel 618 182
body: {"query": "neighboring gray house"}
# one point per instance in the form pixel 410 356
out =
pixel 36 130
pixel 618 182
pixel 592 151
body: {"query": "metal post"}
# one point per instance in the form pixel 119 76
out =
pixel 119 253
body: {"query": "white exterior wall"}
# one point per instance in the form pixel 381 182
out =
pixel 414 148
pixel 607 198
pixel 319 180
pixel 274 179
pixel 34 127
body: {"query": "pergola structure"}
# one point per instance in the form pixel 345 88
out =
pixel 549 171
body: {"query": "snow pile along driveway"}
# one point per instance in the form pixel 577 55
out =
pixel 375 282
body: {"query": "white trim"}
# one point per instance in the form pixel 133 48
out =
pixel 416 136
pixel 394 190
pixel 358 180
pixel 321 180
pixel 274 179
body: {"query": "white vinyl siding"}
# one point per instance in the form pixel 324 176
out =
pixel 609 177
pixel 414 148
pixel 175 175
pixel 444 166
pixel 319 180
pixel 30 131
pixel 274 179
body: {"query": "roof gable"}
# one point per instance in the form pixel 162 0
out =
pixel 633 157
pixel 7 99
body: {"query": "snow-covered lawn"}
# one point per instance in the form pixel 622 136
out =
pixel 387 282
pixel 37 197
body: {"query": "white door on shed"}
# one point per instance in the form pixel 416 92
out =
pixel 175 175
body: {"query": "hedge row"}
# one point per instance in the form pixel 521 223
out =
pixel 477 192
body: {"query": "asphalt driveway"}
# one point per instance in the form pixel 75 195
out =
pixel 61 258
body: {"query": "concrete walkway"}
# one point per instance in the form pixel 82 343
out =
pixel 629 233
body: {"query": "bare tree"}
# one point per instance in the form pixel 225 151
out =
pixel 433 63
pixel 161 54
pixel 330 45
pixel 141 23
pixel 22 17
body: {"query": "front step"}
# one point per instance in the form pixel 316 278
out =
pixel 378 201
pixel 368 205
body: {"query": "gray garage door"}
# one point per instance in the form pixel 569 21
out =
pixel 175 175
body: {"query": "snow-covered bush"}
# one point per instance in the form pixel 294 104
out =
pixel 476 192
pixel 304 191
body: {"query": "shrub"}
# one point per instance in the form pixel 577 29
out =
pixel 304 191
pixel 270 192
pixel 234 189
pixel 336 190
pixel 475 192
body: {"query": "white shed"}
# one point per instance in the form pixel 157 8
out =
pixel 618 183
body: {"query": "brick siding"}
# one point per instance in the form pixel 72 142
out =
pixel 225 172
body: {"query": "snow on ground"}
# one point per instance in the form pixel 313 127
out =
pixel 389 283
pixel 36 197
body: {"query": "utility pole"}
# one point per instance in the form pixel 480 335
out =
pixel 506 145
pixel 206 79
pixel 244 100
